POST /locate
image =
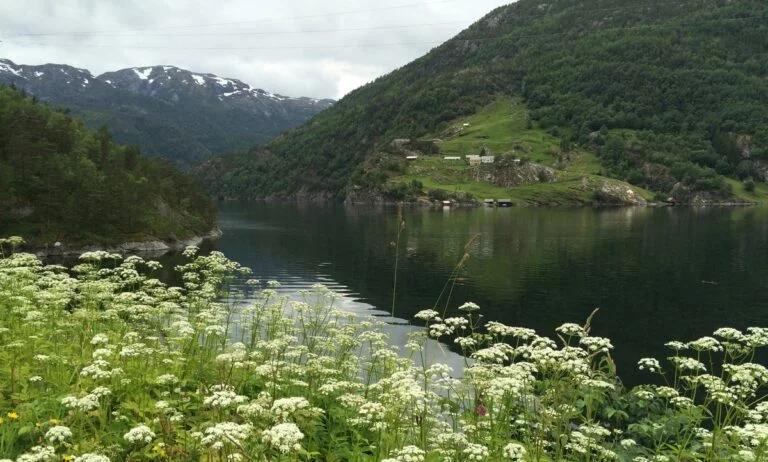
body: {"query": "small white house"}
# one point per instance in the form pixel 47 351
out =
pixel 411 157
pixel 465 125
pixel 451 158
pixel 487 159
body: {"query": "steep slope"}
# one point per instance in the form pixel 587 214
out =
pixel 670 95
pixel 167 111
pixel 60 181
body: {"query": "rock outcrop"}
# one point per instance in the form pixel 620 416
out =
pixel 153 247
pixel 518 173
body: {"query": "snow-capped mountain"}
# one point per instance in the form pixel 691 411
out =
pixel 173 84
pixel 167 111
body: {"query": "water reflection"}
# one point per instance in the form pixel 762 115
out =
pixel 656 274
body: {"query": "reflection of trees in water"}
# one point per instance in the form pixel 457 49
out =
pixel 643 267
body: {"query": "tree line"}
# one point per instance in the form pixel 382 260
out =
pixel 60 181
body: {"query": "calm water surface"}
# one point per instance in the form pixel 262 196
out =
pixel 657 274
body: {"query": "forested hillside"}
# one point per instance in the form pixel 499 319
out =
pixel 60 181
pixel 671 96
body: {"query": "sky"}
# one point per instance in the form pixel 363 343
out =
pixel 320 49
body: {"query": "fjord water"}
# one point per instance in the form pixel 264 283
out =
pixel 657 274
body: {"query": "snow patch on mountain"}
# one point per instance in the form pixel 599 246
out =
pixel 143 74
pixel 8 68
pixel 162 81
pixel 223 82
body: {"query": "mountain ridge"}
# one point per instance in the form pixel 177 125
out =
pixel 671 97
pixel 165 110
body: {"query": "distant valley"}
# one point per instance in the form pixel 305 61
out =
pixel 167 111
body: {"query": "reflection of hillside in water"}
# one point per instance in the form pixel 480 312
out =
pixel 643 267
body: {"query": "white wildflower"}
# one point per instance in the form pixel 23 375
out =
pixel 38 454
pixel 284 408
pixel 515 451
pixel 729 333
pixel 410 454
pixel 225 433
pixel 439 329
pixel 651 364
pixel 166 379
pixel 570 329
pixel 99 339
pixel 464 342
pixel 139 434
pixel 687 364
pixel 89 457
pixel 285 437
pixel 476 452
pixel 426 315
pixel 86 403
pixel 469 307
pixel 223 396
pixel 705 344
pixel 58 434
pixel 596 344
pixel 456 323
pixel 676 346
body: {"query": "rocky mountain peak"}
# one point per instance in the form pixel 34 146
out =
pixel 171 81
pixel 59 73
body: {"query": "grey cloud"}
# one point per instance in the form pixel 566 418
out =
pixel 292 47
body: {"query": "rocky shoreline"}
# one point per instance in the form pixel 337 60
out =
pixel 422 202
pixel 154 247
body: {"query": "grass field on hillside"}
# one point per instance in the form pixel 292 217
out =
pixel 760 194
pixel 502 128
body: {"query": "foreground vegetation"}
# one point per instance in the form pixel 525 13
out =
pixel 60 181
pixel 104 362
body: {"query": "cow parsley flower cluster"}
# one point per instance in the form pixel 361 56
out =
pixel 38 454
pixel 224 396
pixel 225 433
pixel 58 434
pixel 285 437
pixel 139 434
pixel 90 457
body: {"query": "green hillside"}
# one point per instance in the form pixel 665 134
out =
pixel 669 96
pixel 60 181
pixel 502 129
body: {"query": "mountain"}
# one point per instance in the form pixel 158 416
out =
pixel 166 111
pixel 669 96
pixel 60 181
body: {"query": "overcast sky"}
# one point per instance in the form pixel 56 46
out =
pixel 293 47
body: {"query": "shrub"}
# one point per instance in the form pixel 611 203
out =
pixel 437 194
